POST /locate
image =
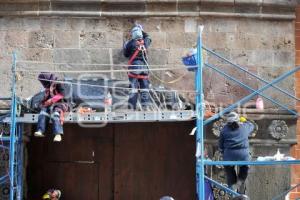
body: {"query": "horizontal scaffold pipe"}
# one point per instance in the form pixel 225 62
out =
pixel 96 14
pixel 265 3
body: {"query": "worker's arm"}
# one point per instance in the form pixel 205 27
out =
pixel 127 48
pixel 147 39
pixel 53 100
pixel 249 127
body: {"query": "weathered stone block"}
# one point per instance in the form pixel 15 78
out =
pixel 161 7
pixel 261 58
pixel 114 39
pixel 175 55
pixel 240 57
pixel 96 25
pixel 287 84
pixel 66 39
pixel 31 24
pixel 216 40
pixel 138 6
pixel 36 54
pixel 221 25
pixel 190 25
pixel 93 39
pixel 118 57
pixel 13 39
pixel 175 40
pixel 71 56
pixel 120 24
pixel 189 7
pixel 284 58
pixel 99 56
pixel 58 23
pixel 41 39
pixel 158 56
pixel 190 40
pixel 284 43
pixel 172 25
pixel 159 40
pixel 76 24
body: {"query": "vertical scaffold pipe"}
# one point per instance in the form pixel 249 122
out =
pixel 199 120
pixel 12 130
pixel 20 159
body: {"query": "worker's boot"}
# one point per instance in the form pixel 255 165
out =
pixel 241 186
pixel 57 138
pixel 38 134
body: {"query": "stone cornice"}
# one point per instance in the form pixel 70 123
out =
pixel 265 9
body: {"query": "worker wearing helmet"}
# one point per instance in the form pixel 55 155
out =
pixel 234 145
pixel 52 194
pixel 136 50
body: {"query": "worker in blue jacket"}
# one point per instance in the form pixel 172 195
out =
pixel 136 50
pixel 234 145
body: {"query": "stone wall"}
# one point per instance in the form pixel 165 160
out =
pixel 256 34
pixel 264 47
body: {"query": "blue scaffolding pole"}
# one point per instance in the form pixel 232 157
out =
pixel 12 131
pixel 199 121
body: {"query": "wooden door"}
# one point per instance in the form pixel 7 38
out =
pixel 129 161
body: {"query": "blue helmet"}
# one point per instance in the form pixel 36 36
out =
pixel 136 33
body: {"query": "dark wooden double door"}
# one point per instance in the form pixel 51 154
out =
pixel 135 161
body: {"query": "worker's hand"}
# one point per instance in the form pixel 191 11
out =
pixel 243 119
pixel 48 103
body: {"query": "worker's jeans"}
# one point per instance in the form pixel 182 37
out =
pixel 233 177
pixel 136 84
pixel 45 115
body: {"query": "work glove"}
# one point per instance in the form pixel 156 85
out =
pixel 243 119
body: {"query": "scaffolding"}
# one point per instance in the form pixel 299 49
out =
pixel 15 175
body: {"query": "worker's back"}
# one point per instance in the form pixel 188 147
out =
pixel 235 142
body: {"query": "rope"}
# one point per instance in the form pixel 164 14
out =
pixel 114 87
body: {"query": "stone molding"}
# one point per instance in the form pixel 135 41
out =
pixel 265 9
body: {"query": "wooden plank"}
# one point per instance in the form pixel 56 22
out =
pixel 153 160
pixel 105 157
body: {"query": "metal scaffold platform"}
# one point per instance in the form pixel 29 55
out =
pixel 118 117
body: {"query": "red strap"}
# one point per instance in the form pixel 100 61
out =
pixel 139 43
pixel 133 56
pixel 137 76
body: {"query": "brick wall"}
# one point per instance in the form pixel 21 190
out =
pixel 296 149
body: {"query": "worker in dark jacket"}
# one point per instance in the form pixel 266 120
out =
pixel 136 50
pixel 52 106
pixel 234 145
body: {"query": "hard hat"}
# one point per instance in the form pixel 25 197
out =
pixel 46 196
pixel 136 33
pixel 232 117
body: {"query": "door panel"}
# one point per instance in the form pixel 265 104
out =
pixel 75 180
pixel 153 160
